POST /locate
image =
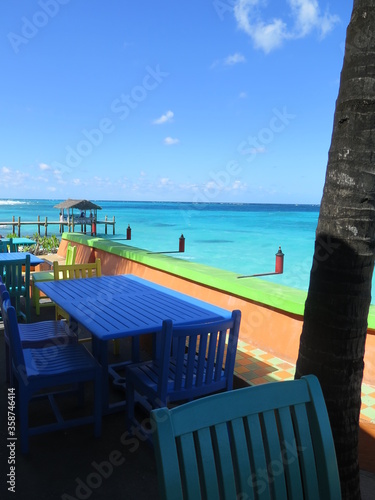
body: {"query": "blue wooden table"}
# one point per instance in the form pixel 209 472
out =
pixel 19 241
pixel 17 256
pixel 112 307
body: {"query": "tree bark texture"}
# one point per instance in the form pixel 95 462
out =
pixel 333 337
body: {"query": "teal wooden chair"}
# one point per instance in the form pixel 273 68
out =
pixel 17 283
pixel 3 247
pixel 47 372
pixel 189 362
pixel 12 247
pixel 268 441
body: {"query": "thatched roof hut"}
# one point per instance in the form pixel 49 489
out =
pixel 78 204
pixel 81 205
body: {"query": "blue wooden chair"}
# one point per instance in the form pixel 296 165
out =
pixel 17 282
pixel 268 441
pixel 189 362
pixel 37 370
pixel 40 334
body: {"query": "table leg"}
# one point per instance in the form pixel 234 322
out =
pixel 100 352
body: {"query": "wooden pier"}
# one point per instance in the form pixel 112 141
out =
pixel 65 226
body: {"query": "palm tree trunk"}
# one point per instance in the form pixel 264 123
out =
pixel 333 337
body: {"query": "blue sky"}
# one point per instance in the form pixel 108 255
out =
pixel 218 100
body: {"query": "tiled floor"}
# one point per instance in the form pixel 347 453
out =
pixel 256 366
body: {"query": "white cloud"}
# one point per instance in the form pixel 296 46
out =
pixel 44 166
pixel 234 59
pixel 11 177
pixel 169 141
pixel 165 183
pixel 167 117
pixel 42 179
pixel 270 35
pixel 243 95
pixel 229 60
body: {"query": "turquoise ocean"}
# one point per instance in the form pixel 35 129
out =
pixel 242 238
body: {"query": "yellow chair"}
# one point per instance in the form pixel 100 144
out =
pixel 40 276
pixel 77 271
pixel 74 271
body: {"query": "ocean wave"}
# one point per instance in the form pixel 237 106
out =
pixel 12 202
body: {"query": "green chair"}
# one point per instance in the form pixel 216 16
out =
pixel 40 276
pixel 268 441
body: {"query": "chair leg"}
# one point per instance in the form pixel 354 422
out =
pixel 98 404
pixel 36 298
pixel 81 394
pixel 27 307
pixel 116 347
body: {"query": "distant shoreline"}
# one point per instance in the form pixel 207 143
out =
pixel 16 201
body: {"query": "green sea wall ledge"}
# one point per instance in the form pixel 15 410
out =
pixel 290 300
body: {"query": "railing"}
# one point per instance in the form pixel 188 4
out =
pixel 70 225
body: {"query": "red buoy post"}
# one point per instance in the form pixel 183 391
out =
pixel 181 246
pixel 93 227
pixel 128 233
pixel 279 264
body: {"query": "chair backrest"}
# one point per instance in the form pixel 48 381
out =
pixel 12 332
pixel 7 246
pixel 71 253
pixel 85 270
pixel 202 358
pixel 268 441
pixel 11 245
pixel 17 276
pixel 3 247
